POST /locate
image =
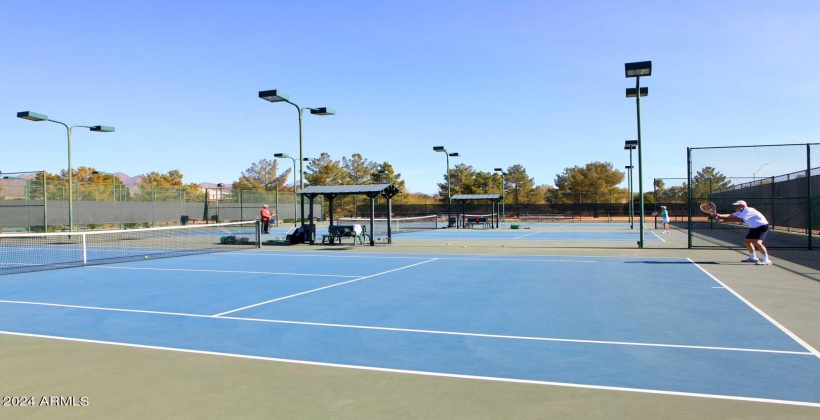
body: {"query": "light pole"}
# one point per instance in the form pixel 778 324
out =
pixel 33 116
pixel 287 156
pixel 503 187
pixel 449 201
pixel 278 96
pixel 631 145
pixel 758 170
pixel 636 70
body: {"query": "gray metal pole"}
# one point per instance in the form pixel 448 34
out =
pixel 449 200
pixel 640 162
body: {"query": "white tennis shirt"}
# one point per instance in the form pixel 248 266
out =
pixel 751 217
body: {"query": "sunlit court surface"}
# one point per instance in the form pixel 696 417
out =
pixel 466 322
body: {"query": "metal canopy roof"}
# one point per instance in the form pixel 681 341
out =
pixel 388 189
pixel 464 197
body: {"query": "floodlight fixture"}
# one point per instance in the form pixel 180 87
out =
pixel 274 96
pixel 630 92
pixel 638 69
pixel 32 116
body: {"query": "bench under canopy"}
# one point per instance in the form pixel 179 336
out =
pixel 330 192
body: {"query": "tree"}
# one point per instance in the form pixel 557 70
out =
pixel 595 179
pixel 326 171
pixel 520 185
pixel 706 181
pixel 485 183
pixel 262 176
pixel 169 186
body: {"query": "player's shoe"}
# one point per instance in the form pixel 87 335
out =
pixel 764 262
pixel 751 259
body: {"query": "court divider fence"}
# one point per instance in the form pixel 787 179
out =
pixel 781 181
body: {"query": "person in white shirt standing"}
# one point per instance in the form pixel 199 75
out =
pixel 758 230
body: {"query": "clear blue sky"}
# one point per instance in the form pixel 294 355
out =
pixel 538 83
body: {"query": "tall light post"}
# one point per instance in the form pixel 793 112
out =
pixel 503 187
pixel 758 170
pixel 33 116
pixel 631 145
pixel 449 200
pixel 279 96
pixel 637 70
pixel 287 156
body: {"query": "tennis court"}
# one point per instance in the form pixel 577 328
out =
pixel 639 324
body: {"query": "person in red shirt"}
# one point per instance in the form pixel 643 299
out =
pixel 266 215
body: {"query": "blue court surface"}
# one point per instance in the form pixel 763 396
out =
pixel 653 325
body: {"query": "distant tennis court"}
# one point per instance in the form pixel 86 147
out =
pixel 650 325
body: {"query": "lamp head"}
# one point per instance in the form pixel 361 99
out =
pixel 274 96
pixel 281 155
pixel 439 149
pixel 499 170
pixel 631 92
pixel 454 154
pixel 32 116
pixel 322 111
pixel 103 129
pixel 638 69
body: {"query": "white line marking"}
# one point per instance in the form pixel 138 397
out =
pixel 763 314
pixel 416 331
pixel 656 235
pixel 437 374
pixel 322 288
pixel 108 267
pixel 524 236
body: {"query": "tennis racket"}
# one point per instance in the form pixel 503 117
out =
pixel 709 208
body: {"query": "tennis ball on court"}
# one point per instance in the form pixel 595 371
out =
pixel 465 246
pixel 146 257
pixel 448 243
pixel 502 245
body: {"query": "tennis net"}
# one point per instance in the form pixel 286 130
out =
pixel 397 225
pixel 20 253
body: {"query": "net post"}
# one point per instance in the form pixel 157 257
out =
pixel 258 234
pixel 84 248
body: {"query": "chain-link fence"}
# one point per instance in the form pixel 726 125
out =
pixel 30 204
pixel 781 181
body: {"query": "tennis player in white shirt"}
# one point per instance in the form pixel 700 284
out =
pixel 758 230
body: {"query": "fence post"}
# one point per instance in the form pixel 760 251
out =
pixel 808 196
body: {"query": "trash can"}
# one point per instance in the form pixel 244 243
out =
pixel 183 220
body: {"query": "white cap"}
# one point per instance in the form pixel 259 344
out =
pixel 739 203
pixel 265 206
pixel 663 207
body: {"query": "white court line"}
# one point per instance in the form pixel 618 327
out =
pixel 436 374
pixel 416 256
pixel 416 331
pixel 794 336
pixel 109 267
pixel 524 236
pixel 656 235
pixel 322 288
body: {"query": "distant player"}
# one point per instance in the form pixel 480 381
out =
pixel 665 219
pixel 265 215
pixel 759 229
